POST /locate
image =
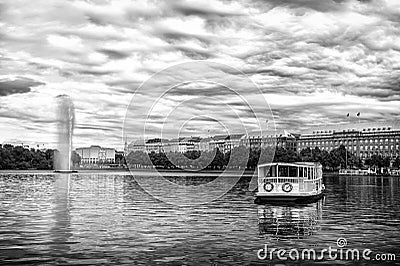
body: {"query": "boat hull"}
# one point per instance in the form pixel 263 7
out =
pixel 287 198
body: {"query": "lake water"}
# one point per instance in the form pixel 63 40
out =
pixel 108 219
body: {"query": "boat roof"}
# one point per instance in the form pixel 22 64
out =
pixel 297 164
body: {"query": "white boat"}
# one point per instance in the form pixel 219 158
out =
pixel 298 182
pixel 356 172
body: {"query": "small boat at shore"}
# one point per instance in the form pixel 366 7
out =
pixel 298 182
pixel 358 172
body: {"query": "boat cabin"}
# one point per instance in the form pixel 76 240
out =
pixel 290 179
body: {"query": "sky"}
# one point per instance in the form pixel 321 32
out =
pixel 208 67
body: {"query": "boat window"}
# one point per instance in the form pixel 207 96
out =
pixel 292 171
pixel 301 172
pixel 283 171
pixel 272 171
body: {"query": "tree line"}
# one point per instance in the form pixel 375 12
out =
pixel 250 158
pixel 19 157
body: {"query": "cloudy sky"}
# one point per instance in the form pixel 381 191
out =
pixel 313 61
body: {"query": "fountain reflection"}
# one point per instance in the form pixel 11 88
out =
pixel 60 232
pixel 290 221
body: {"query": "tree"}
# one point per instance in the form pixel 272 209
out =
pixel 254 158
pixel 306 155
pixel 386 161
pixel 375 161
pixel 75 158
pixel 19 157
pixel 120 158
pixel 218 162
pixel 396 162
pixel 238 157
pixel 284 155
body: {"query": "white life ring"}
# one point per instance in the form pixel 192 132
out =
pixel 287 187
pixel 268 186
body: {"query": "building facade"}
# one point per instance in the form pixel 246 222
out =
pixel 96 155
pixel 158 145
pixel 226 143
pixel 363 143
pixel 285 140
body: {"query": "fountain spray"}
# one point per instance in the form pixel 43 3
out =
pixel 65 127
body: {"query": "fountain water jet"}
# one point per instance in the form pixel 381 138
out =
pixel 65 124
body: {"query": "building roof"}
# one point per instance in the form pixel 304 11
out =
pixel 219 137
pixel 354 126
pixel 236 136
pixel 94 146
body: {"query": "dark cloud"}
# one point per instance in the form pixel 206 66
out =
pixel 19 85
pixel 272 72
pixel 94 128
pixel 172 36
pixel 205 119
pixel 195 54
pixel 97 20
pixel 201 90
pixel 189 9
pixel 95 72
pixel 318 5
pixel 114 54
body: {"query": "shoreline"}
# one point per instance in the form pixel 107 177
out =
pixel 164 172
pixel 145 172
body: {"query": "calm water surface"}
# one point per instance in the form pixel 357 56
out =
pixel 108 219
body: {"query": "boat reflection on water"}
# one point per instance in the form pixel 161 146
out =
pixel 291 221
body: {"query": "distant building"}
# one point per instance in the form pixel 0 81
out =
pixel 233 141
pixel 285 140
pixel 137 146
pixel 288 141
pixel 204 144
pixel 154 145
pixel 189 144
pixel 218 142
pixel 225 143
pixel 362 142
pixel 96 155
pixel 171 145
pixel 174 145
